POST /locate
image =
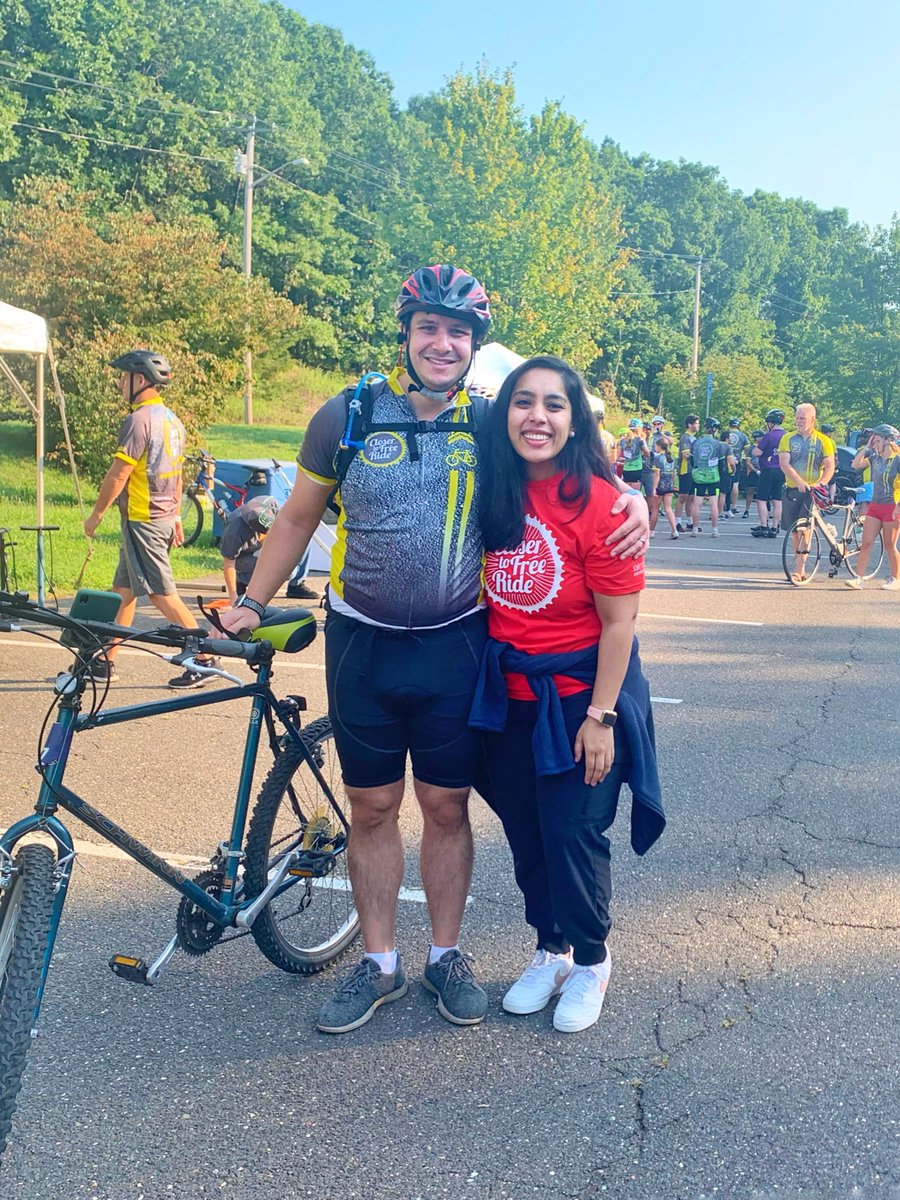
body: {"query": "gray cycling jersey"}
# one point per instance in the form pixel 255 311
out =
pixel 885 476
pixel 409 550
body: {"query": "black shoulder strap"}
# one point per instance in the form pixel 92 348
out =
pixel 357 425
pixel 361 425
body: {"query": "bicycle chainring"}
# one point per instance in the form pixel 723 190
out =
pixel 196 932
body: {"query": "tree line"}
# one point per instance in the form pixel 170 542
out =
pixel 121 219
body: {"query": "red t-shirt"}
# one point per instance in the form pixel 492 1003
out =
pixel 540 595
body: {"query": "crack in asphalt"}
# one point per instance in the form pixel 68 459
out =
pixel 752 866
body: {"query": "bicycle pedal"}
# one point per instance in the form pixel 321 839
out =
pixel 132 969
pixel 313 864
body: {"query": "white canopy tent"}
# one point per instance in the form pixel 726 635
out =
pixel 494 362
pixel 24 332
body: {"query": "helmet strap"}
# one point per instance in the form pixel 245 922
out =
pixel 132 394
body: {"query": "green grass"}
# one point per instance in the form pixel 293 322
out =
pixel 281 414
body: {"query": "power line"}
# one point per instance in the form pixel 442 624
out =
pixel 663 253
pixel 84 137
pixel 106 100
pixel 673 292
pixel 101 87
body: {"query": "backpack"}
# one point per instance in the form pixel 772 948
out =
pixel 360 406
pixel 705 460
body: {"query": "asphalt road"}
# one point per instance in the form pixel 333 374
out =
pixel 750 1042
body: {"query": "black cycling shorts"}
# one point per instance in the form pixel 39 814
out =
pixel 394 692
pixel 771 484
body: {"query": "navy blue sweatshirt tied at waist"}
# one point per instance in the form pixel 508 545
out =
pixel 550 742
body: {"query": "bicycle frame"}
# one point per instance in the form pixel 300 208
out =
pixel 837 544
pixel 54 795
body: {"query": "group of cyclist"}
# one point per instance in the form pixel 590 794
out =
pixel 777 469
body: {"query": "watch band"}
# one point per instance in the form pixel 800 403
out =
pixel 606 716
pixel 245 601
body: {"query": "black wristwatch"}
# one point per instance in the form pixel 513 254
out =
pixel 254 605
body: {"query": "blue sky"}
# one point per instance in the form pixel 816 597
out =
pixel 796 97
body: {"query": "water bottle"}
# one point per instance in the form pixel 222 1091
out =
pixel 831 529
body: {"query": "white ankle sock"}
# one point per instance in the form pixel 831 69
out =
pixel 437 952
pixel 387 960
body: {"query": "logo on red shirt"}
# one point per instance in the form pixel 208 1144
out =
pixel 529 577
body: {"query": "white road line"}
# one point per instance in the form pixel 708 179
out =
pixel 87 849
pixel 664 700
pixel 744 553
pixel 701 620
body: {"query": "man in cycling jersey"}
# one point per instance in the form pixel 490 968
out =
pixel 685 477
pixel 145 480
pixel 404 631
pixel 807 459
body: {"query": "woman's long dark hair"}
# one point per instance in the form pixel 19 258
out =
pixel 503 478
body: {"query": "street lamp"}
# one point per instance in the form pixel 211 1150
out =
pixel 245 166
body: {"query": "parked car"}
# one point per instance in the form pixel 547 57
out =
pixel 844 474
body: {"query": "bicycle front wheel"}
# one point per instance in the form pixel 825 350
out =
pixel 314 920
pixel 25 911
pixel 191 518
pixel 852 548
pixel 801 568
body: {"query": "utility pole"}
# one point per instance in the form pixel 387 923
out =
pixel 248 253
pixel 695 357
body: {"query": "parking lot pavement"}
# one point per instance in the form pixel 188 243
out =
pixel 750 1042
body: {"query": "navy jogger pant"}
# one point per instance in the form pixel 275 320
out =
pixel 555 827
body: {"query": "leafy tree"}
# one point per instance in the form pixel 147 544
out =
pixel 108 284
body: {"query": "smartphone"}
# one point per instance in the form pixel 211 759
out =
pixel 89 604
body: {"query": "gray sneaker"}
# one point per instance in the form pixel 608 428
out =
pixel 359 994
pixel 460 999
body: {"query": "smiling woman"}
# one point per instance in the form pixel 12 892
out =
pixel 561 696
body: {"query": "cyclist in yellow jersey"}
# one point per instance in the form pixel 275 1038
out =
pixel 807 459
pixel 145 480
pixel 404 630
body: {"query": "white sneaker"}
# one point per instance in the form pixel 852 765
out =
pixel 693 533
pixel 892 585
pixel 582 997
pixel 714 533
pixel 854 583
pixel 541 980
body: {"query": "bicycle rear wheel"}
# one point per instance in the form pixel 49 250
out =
pixel 25 911
pixel 314 921
pixel 191 518
pixel 806 529
pixel 852 547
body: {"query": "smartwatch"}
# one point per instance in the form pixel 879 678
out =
pixel 606 716
pixel 254 605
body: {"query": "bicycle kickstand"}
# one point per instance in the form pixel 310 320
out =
pixel 135 970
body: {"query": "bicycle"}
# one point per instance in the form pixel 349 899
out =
pixel 224 497
pixel 843 546
pixel 286 883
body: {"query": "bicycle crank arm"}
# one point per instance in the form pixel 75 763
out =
pixel 248 915
pixel 135 970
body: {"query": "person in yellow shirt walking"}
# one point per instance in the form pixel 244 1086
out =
pixel 145 480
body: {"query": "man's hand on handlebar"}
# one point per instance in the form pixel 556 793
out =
pixel 236 621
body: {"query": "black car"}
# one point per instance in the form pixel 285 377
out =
pixel 844 474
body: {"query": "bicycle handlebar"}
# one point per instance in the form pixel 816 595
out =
pixel 19 606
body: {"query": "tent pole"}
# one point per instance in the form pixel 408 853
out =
pixel 39 455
